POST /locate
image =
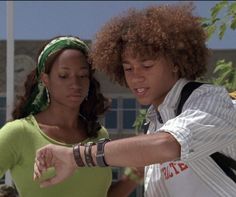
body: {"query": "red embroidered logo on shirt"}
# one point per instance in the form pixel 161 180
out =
pixel 172 169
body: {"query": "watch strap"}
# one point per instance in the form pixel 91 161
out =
pixel 100 156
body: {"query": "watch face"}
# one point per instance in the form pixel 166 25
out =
pixel 23 66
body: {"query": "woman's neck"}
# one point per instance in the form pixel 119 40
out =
pixel 58 117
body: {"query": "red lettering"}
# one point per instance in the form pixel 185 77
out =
pixel 173 166
pixel 170 174
pixel 164 172
pixel 182 166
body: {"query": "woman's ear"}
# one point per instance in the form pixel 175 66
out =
pixel 45 79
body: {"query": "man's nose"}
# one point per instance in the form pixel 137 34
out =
pixel 138 75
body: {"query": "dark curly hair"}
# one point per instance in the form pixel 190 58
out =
pixel 171 31
pixel 90 109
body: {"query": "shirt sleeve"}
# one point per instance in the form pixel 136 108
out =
pixel 10 136
pixel 207 123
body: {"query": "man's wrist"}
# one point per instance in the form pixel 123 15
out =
pixel 93 152
pixel 72 159
pixel 100 154
pixel 89 155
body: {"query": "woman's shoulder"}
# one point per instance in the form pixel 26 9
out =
pixel 17 125
pixel 13 124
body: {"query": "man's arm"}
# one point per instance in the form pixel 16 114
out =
pixel 141 150
pixel 135 151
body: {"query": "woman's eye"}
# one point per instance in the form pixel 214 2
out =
pixel 84 76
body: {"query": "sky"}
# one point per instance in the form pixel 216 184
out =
pixel 39 20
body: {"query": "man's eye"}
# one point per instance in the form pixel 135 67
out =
pixel 127 69
pixel 62 76
pixel 148 64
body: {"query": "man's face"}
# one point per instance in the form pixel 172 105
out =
pixel 149 80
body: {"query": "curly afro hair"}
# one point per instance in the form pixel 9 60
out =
pixel 171 31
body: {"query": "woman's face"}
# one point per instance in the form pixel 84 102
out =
pixel 68 81
pixel 149 80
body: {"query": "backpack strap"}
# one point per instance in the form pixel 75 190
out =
pixel 224 162
pixel 185 93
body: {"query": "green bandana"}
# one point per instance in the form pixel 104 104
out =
pixel 39 100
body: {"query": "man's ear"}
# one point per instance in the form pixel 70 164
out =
pixel 44 78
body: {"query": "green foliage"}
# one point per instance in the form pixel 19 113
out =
pixel 223 16
pixel 140 119
pixel 225 75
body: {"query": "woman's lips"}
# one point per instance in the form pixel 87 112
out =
pixel 75 97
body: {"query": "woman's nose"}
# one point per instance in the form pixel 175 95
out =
pixel 75 82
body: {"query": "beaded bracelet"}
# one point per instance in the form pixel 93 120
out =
pixel 77 156
pixel 88 154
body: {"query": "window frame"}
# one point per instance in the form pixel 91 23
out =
pixel 120 130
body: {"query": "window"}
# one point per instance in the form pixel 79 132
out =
pixel 2 110
pixel 121 116
pixel 112 115
pixel 129 111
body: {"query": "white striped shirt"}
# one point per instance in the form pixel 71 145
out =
pixel 206 125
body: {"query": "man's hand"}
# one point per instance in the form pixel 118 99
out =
pixel 59 157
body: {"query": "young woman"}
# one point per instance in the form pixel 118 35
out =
pixel 156 52
pixel 61 106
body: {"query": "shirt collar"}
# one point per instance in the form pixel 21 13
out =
pixel 170 101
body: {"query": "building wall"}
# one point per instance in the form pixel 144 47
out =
pixel 25 57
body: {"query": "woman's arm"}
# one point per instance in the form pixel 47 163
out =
pixel 10 146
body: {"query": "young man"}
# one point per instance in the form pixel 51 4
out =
pixel 156 52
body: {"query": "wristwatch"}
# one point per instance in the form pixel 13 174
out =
pixel 100 152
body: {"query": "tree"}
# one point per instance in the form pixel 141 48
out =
pixel 223 16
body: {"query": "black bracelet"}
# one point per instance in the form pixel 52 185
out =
pixel 100 157
pixel 77 156
pixel 88 154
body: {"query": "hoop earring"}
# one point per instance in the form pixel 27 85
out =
pixel 48 96
pixel 175 70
